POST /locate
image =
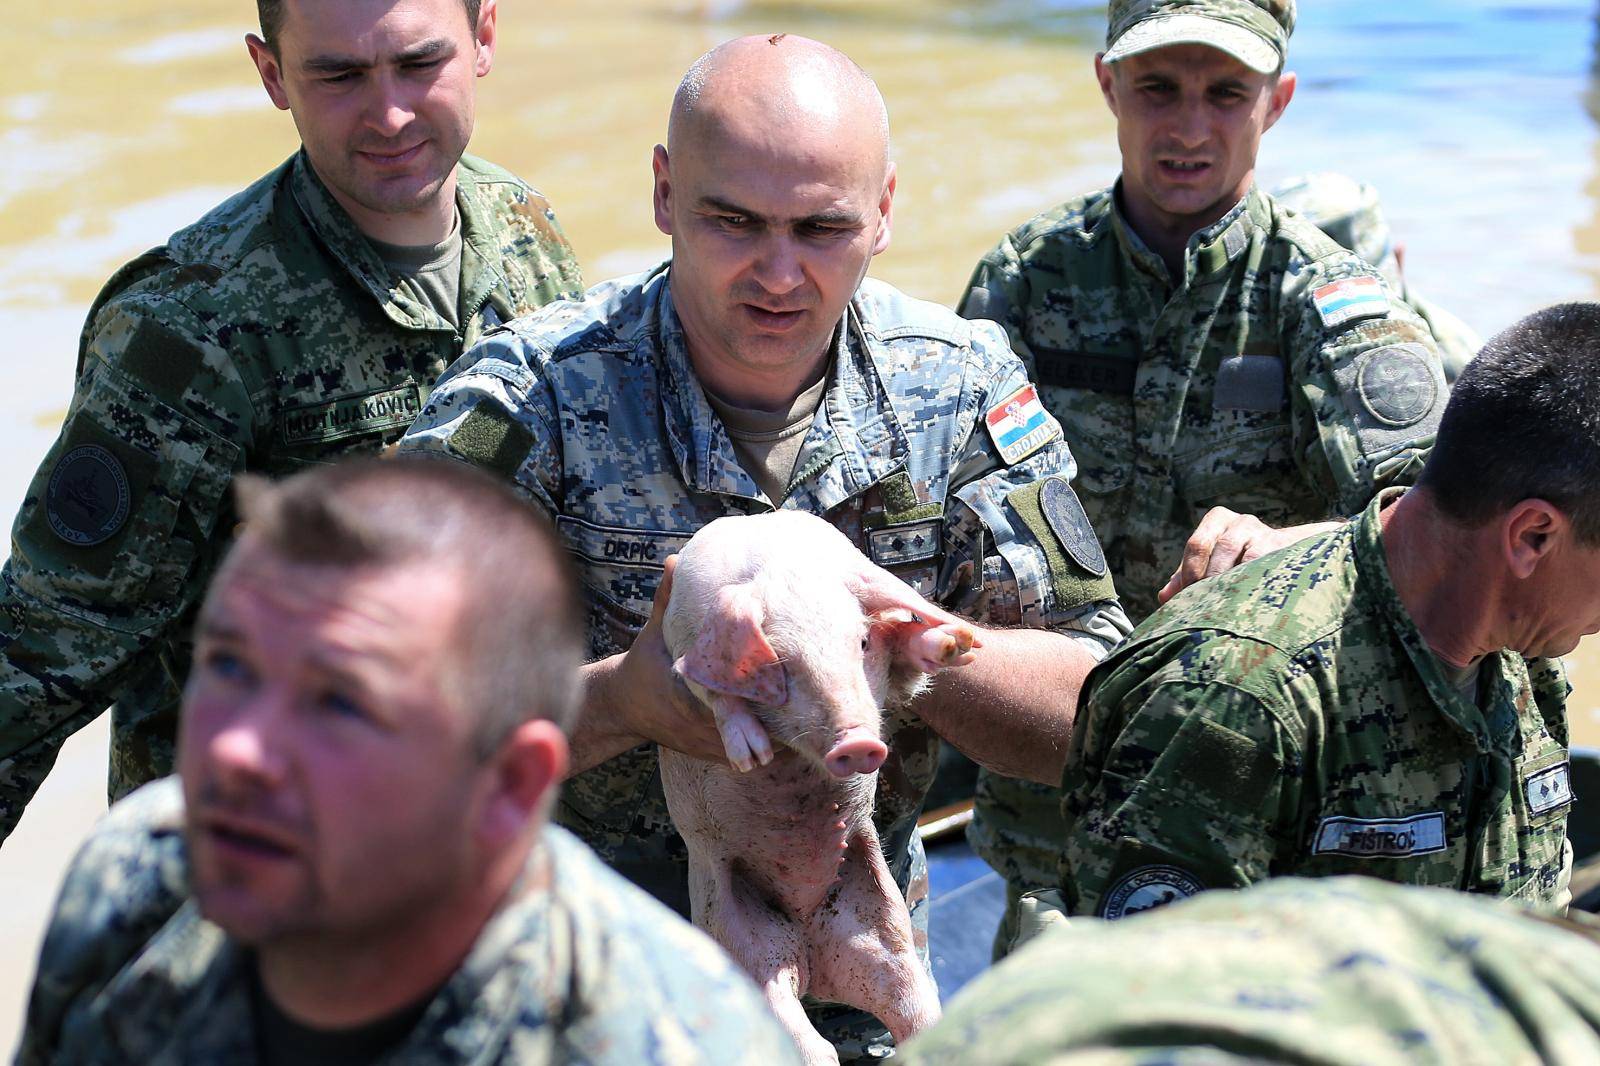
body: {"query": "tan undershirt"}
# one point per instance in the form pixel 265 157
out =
pixel 768 442
pixel 431 273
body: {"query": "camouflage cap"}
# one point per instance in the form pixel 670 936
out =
pixel 1348 211
pixel 1255 32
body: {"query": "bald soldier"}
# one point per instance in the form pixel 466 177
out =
pixel 301 320
pixel 1227 375
pixel 759 369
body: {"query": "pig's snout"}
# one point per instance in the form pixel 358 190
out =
pixel 858 752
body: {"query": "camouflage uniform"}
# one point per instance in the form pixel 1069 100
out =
pixel 1349 212
pixel 587 969
pixel 1343 972
pixel 1287 718
pixel 265 337
pixel 1235 385
pixel 593 410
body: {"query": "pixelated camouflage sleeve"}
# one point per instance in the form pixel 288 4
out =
pixel 1024 550
pixel 1370 385
pixel 126 880
pixel 115 526
pixel 998 291
pixel 491 410
pixel 1173 786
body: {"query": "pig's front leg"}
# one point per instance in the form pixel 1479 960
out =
pixel 862 948
pixel 930 649
pixel 743 738
pixel 766 945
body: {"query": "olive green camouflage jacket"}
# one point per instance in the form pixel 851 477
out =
pixel 267 336
pixel 1287 718
pixel 588 969
pixel 1339 972
pixel 1278 377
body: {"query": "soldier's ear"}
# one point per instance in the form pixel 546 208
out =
pixel 1282 93
pixel 487 32
pixel 269 68
pixel 661 167
pixel 885 211
pixel 1104 74
pixel 521 781
pixel 1529 532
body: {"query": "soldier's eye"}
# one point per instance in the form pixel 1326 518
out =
pixel 226 665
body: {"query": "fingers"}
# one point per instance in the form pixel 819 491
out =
pixel 1223 540
pixel 658 606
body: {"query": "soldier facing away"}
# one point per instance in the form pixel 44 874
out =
pixel 303 319
pixel 1381 699
pixel 1225 373
pixel 760 369
pixel 356 867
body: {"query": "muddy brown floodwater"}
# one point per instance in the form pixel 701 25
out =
pixel 121 120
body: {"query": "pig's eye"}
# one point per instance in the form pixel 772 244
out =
pixel 865 641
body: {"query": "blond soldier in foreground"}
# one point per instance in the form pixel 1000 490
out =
pixel 1381 699
pixel 1227 375
pixel 357 866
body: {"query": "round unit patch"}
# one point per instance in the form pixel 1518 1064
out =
pixel 1064 512
pixel 1396 385
pixel 88 499
pixel 1146 888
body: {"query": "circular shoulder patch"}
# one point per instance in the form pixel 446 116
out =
pixel 1396 385
pixel 1147 888
pixel 88 499
pixel 1071 526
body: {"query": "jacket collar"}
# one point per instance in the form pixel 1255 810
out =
pixel 480 272
pixel 855 441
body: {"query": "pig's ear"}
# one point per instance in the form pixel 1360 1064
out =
pixel 885 598
pixel 731 654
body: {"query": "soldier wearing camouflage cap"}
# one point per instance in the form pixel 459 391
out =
pixel 1383 699
pixel 1349 212
pixel 1203 349
pixel 303 319
pixel 760 369
pixel 356 865
pixel 1341 972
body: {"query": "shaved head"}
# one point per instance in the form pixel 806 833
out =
pixel 768 88
pixel 776 187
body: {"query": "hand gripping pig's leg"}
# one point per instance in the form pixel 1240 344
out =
pixel 766 944
pixel 862 947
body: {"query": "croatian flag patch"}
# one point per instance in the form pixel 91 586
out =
pixel 1345 301
pixel 1020 425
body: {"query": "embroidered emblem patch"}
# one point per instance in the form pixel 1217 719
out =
pixel 1147 888
pixel 88 498
pixel 1350 299
pixel 1064 511
pixel 1020 425
pixel 1380 838
pixel 1549 789
pixel 1396 385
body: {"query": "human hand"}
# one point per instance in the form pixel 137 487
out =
pixel 1225 539
pixel 653 701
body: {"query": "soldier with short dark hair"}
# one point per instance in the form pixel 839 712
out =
pixel 303 319
pixel 355 866
pixel 1384 699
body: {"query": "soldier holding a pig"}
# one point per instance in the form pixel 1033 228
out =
pixel 760 370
